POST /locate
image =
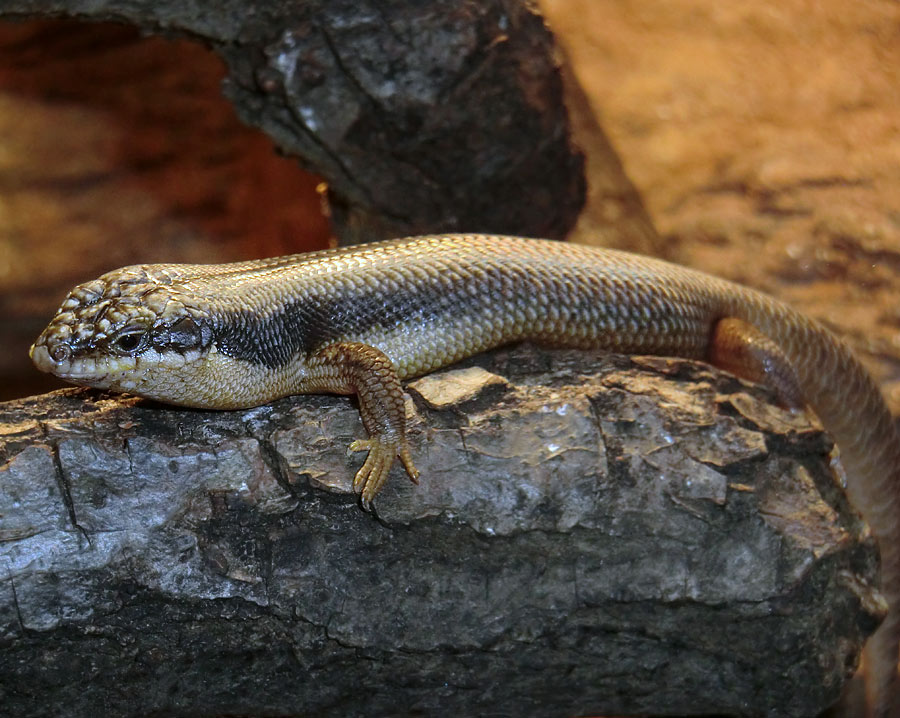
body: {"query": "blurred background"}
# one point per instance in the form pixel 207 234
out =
pixel 762 138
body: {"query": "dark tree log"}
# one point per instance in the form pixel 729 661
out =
pixel 422 116
pixel 592 535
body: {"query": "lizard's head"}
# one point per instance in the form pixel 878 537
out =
pixel 122 332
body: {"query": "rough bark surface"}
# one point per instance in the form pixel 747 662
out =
pixel 592 535
pixel 422 116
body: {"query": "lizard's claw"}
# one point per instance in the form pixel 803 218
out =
pixel 374 472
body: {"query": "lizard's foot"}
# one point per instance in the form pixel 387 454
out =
pixel 374 472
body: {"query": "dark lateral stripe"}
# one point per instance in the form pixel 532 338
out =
pixel 304 327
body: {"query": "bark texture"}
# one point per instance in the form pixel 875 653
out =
pixel 592 535
pixel 422 116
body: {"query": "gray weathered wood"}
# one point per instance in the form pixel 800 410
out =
pixel 592 535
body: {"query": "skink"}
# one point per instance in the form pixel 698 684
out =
pixel 362 319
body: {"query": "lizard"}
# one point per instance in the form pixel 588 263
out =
pixel 362 319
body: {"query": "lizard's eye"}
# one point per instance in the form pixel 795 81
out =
pixel 130 342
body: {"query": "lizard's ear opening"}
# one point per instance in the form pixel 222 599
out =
pixel 185 334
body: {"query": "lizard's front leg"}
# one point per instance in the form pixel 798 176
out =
pixel 356 368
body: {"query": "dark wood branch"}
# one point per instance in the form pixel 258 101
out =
pixel 422 117
pixel 592 535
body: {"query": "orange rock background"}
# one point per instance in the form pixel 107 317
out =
pixel 764 139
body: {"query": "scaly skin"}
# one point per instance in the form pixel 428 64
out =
pixel 360 319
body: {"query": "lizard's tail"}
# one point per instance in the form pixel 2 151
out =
pixel 848 402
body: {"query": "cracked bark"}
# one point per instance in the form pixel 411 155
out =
pixel 422 118
pixel 592 535
pixel 61 480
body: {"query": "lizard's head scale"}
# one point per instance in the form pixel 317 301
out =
pixel 110 331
